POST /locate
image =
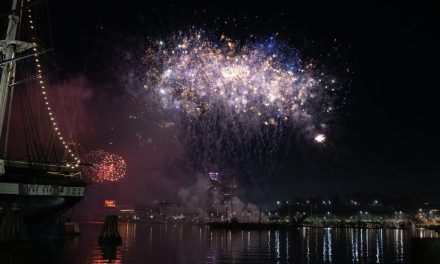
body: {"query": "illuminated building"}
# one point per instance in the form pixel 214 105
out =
pixel 220 194
pixel 160 212
pixel 214 190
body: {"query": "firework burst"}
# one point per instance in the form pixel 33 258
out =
pixel 106 167
pixel 320 138
pixel 234 105
pixel 256 84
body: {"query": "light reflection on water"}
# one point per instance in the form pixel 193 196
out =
pixel 160 243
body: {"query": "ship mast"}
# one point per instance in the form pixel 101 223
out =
pixel 8 48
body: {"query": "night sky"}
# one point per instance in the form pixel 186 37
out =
pixel 383 138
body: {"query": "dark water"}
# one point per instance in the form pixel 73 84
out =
pixel 160 243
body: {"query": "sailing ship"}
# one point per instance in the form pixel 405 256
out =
pixel 43 190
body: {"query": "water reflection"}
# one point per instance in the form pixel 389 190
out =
pixel 308 246
pixel 287 246
pixel 155 243
pixel 354 245
pixel 13 255
pixel 107 253
pixel 327 245
pixel 425 233
pixel 277 245
pixel 379 246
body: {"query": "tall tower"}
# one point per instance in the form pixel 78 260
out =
pixel 214 195
pixel 221 190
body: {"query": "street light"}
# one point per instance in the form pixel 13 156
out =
pixel 278 208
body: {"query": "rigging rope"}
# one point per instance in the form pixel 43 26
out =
pixel 41 83
pixel 11 95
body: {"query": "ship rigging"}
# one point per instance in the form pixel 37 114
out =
pixel 47 181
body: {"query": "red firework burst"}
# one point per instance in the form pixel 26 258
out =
pixel 106 167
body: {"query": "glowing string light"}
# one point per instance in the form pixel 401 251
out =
pixel 42 87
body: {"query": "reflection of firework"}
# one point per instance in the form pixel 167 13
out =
pixel 107 166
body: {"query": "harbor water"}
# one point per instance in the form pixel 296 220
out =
pixel 171 243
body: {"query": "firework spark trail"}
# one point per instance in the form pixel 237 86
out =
pixel 236 106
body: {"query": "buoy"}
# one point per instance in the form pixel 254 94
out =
pixel 109 232
pixel 108 251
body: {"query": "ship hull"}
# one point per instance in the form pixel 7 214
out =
pixel 39 209
pixel 42 214
pixel 40 196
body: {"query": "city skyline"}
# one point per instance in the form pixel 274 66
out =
pixel 381 139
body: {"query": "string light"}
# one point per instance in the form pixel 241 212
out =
pixel 42 87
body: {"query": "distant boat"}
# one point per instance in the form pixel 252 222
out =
pixel 42 190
